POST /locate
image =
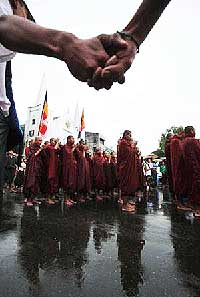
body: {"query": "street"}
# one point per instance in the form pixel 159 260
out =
pixel 95 250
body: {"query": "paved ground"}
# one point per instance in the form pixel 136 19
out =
pixel 97 251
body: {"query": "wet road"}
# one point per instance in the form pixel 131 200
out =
pixel 98 251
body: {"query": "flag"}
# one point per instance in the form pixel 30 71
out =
pixel 82 121
pixel 82 125
pixel 44 116
pixel 67 121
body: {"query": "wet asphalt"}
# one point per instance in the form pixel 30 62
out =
pixel 95 250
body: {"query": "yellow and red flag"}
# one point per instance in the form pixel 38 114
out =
pixel 82 121
pixel 44 116
pixel 82 124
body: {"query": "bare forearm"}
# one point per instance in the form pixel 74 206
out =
pixel 145 18
pixel 20 35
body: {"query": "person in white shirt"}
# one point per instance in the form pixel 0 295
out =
pixel 148 165
pixel 5 56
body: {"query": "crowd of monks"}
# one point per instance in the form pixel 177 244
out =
pixel 70 169
pixel 183 167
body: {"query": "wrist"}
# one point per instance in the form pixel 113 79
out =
pixel 128 36
pixel 134 31
pixel 65 42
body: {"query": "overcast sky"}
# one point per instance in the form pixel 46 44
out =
pixel 162 87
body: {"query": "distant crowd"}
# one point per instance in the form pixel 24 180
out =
pixel 51 170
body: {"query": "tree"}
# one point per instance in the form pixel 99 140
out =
pixel 160 152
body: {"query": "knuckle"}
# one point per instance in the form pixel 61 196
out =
pixel 127 64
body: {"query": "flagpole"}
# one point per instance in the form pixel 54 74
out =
pixel 42 90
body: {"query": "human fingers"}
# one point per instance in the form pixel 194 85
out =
pixel 113 61
pixel 98 82
pixel 94 81
pixel 112 43
pixel 85 57
pixel 121 79
pixel 116 71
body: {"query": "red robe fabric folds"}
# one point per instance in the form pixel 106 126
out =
pixel 178 167
pixel 126 160
pixel 69 169
pixel 191 149
pixel 83 171
pixel 52 169
pixel 98 172
pixel 33 173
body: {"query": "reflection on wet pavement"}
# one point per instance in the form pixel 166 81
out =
pixel 98 251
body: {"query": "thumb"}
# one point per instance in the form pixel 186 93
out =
pixel 117 42
pixel 112 43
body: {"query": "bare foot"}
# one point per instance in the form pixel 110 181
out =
pixel 183 207
pixel 69 203
pixel 197 213
pixel 99 198
pixel 50 201
pixel 29 203
pixel 129 207
pixel 120 201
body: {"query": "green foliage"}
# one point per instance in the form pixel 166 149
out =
pixel 173 130
pixel 159 153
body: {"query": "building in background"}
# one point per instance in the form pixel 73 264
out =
pixel 34 113
pixel 94 141
pixel 33 122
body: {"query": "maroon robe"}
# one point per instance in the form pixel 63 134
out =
pixel 98 172
pixel 191 149
pixel 27 152
pixel 83 170
pixel 168 165
pixel 126 160
pixel 108 175
pixel 177 167
pixel 52 169
pixel 69 169
pixel 113 165
pixel 90 164
pixel 33 172
pixel 44 173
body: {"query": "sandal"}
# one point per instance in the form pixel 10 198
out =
pixel 29 203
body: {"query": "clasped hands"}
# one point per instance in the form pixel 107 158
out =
pixel 100 61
